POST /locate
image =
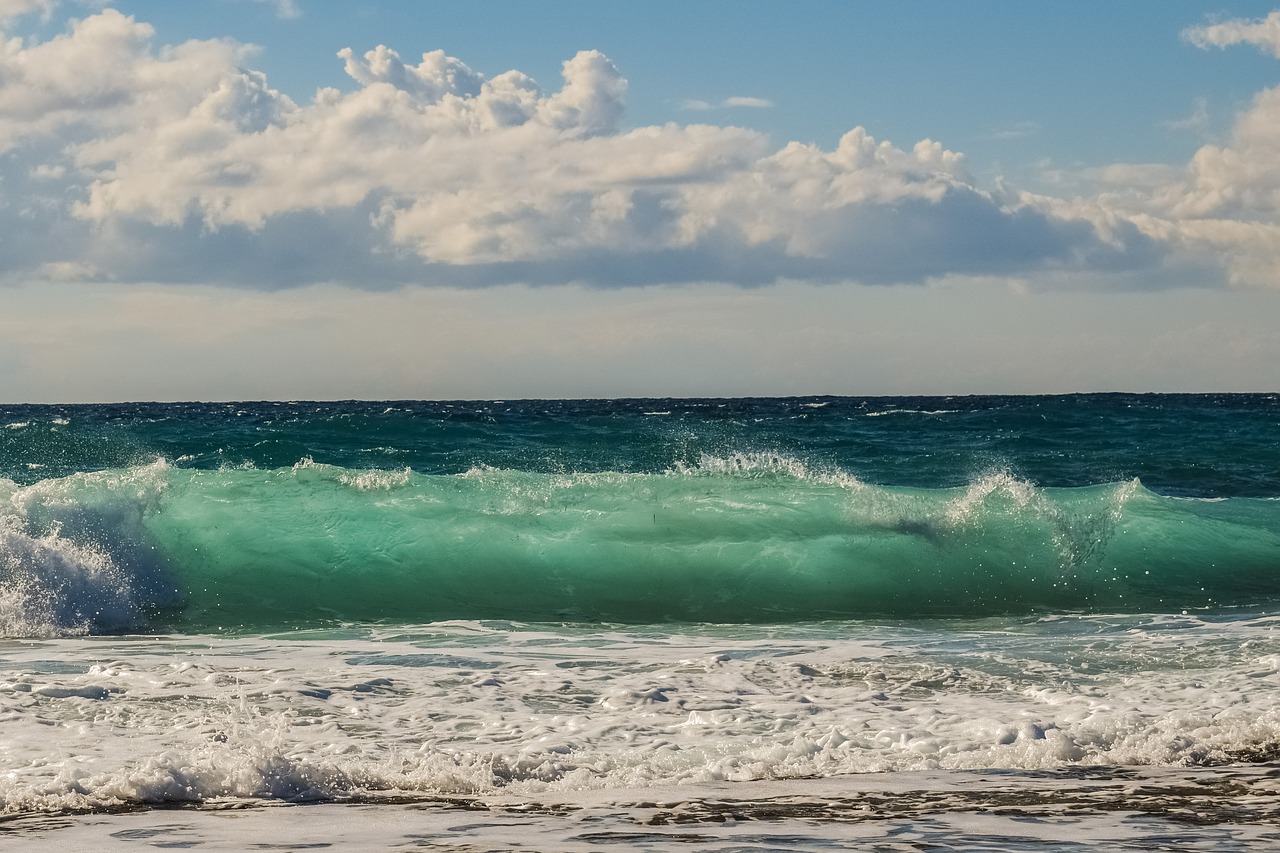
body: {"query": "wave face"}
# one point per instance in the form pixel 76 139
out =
pixel 748 538
pixel 265 515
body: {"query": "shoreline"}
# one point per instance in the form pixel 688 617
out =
pixel 1070 809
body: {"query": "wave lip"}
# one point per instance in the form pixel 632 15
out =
pixel 75 555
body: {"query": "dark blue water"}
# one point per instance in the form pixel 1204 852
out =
pixel 1218 445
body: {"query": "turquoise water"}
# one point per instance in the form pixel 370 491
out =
pixel 263 516
pixel 742 540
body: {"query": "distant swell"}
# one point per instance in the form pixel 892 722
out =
pixel 749 538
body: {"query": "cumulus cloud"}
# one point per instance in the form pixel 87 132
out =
pixel 132 161
pixel 1263 32
pixel 1241 179
pixel 1215 218
pixel 1223 207
pixel 101 79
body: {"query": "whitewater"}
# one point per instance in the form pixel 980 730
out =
pixel 1008 623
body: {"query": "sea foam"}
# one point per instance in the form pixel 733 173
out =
pixel 468 709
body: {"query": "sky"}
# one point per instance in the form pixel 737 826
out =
pixel 311 199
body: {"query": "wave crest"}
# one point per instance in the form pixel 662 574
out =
pixel 75 557
pixel 763 464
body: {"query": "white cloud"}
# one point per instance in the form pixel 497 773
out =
pixel 181 162
pixel 1241 178
pixel 1196 122
pixel 285 9
pixel 802 196
pixel 1224 206
pixel 67 271
pixel 10 9
pixel 1217 216
pixel 43 10
pixel 1017 130
pixel 1263 32
pixel 462 169
pixel 429 81
pixel 749 102
pixel 101 79
pixel 738 101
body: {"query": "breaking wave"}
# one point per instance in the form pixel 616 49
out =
pixel 736 538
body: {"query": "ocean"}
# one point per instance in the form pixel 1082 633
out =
pixel 998 623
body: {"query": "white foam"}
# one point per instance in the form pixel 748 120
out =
pixel 472 709
pixel 765 464
pixel 375 479
pixel 74 556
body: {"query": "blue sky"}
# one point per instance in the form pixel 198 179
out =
pixel 660 198
pixel 1007 82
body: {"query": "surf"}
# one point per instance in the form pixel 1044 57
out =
pixel 730 538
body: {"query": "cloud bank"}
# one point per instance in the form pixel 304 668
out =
pixel 132 161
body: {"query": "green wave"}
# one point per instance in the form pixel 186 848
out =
pixel 742 539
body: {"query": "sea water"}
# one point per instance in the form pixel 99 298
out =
pixel 999 623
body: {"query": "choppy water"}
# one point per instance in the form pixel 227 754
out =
pixel 817 619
